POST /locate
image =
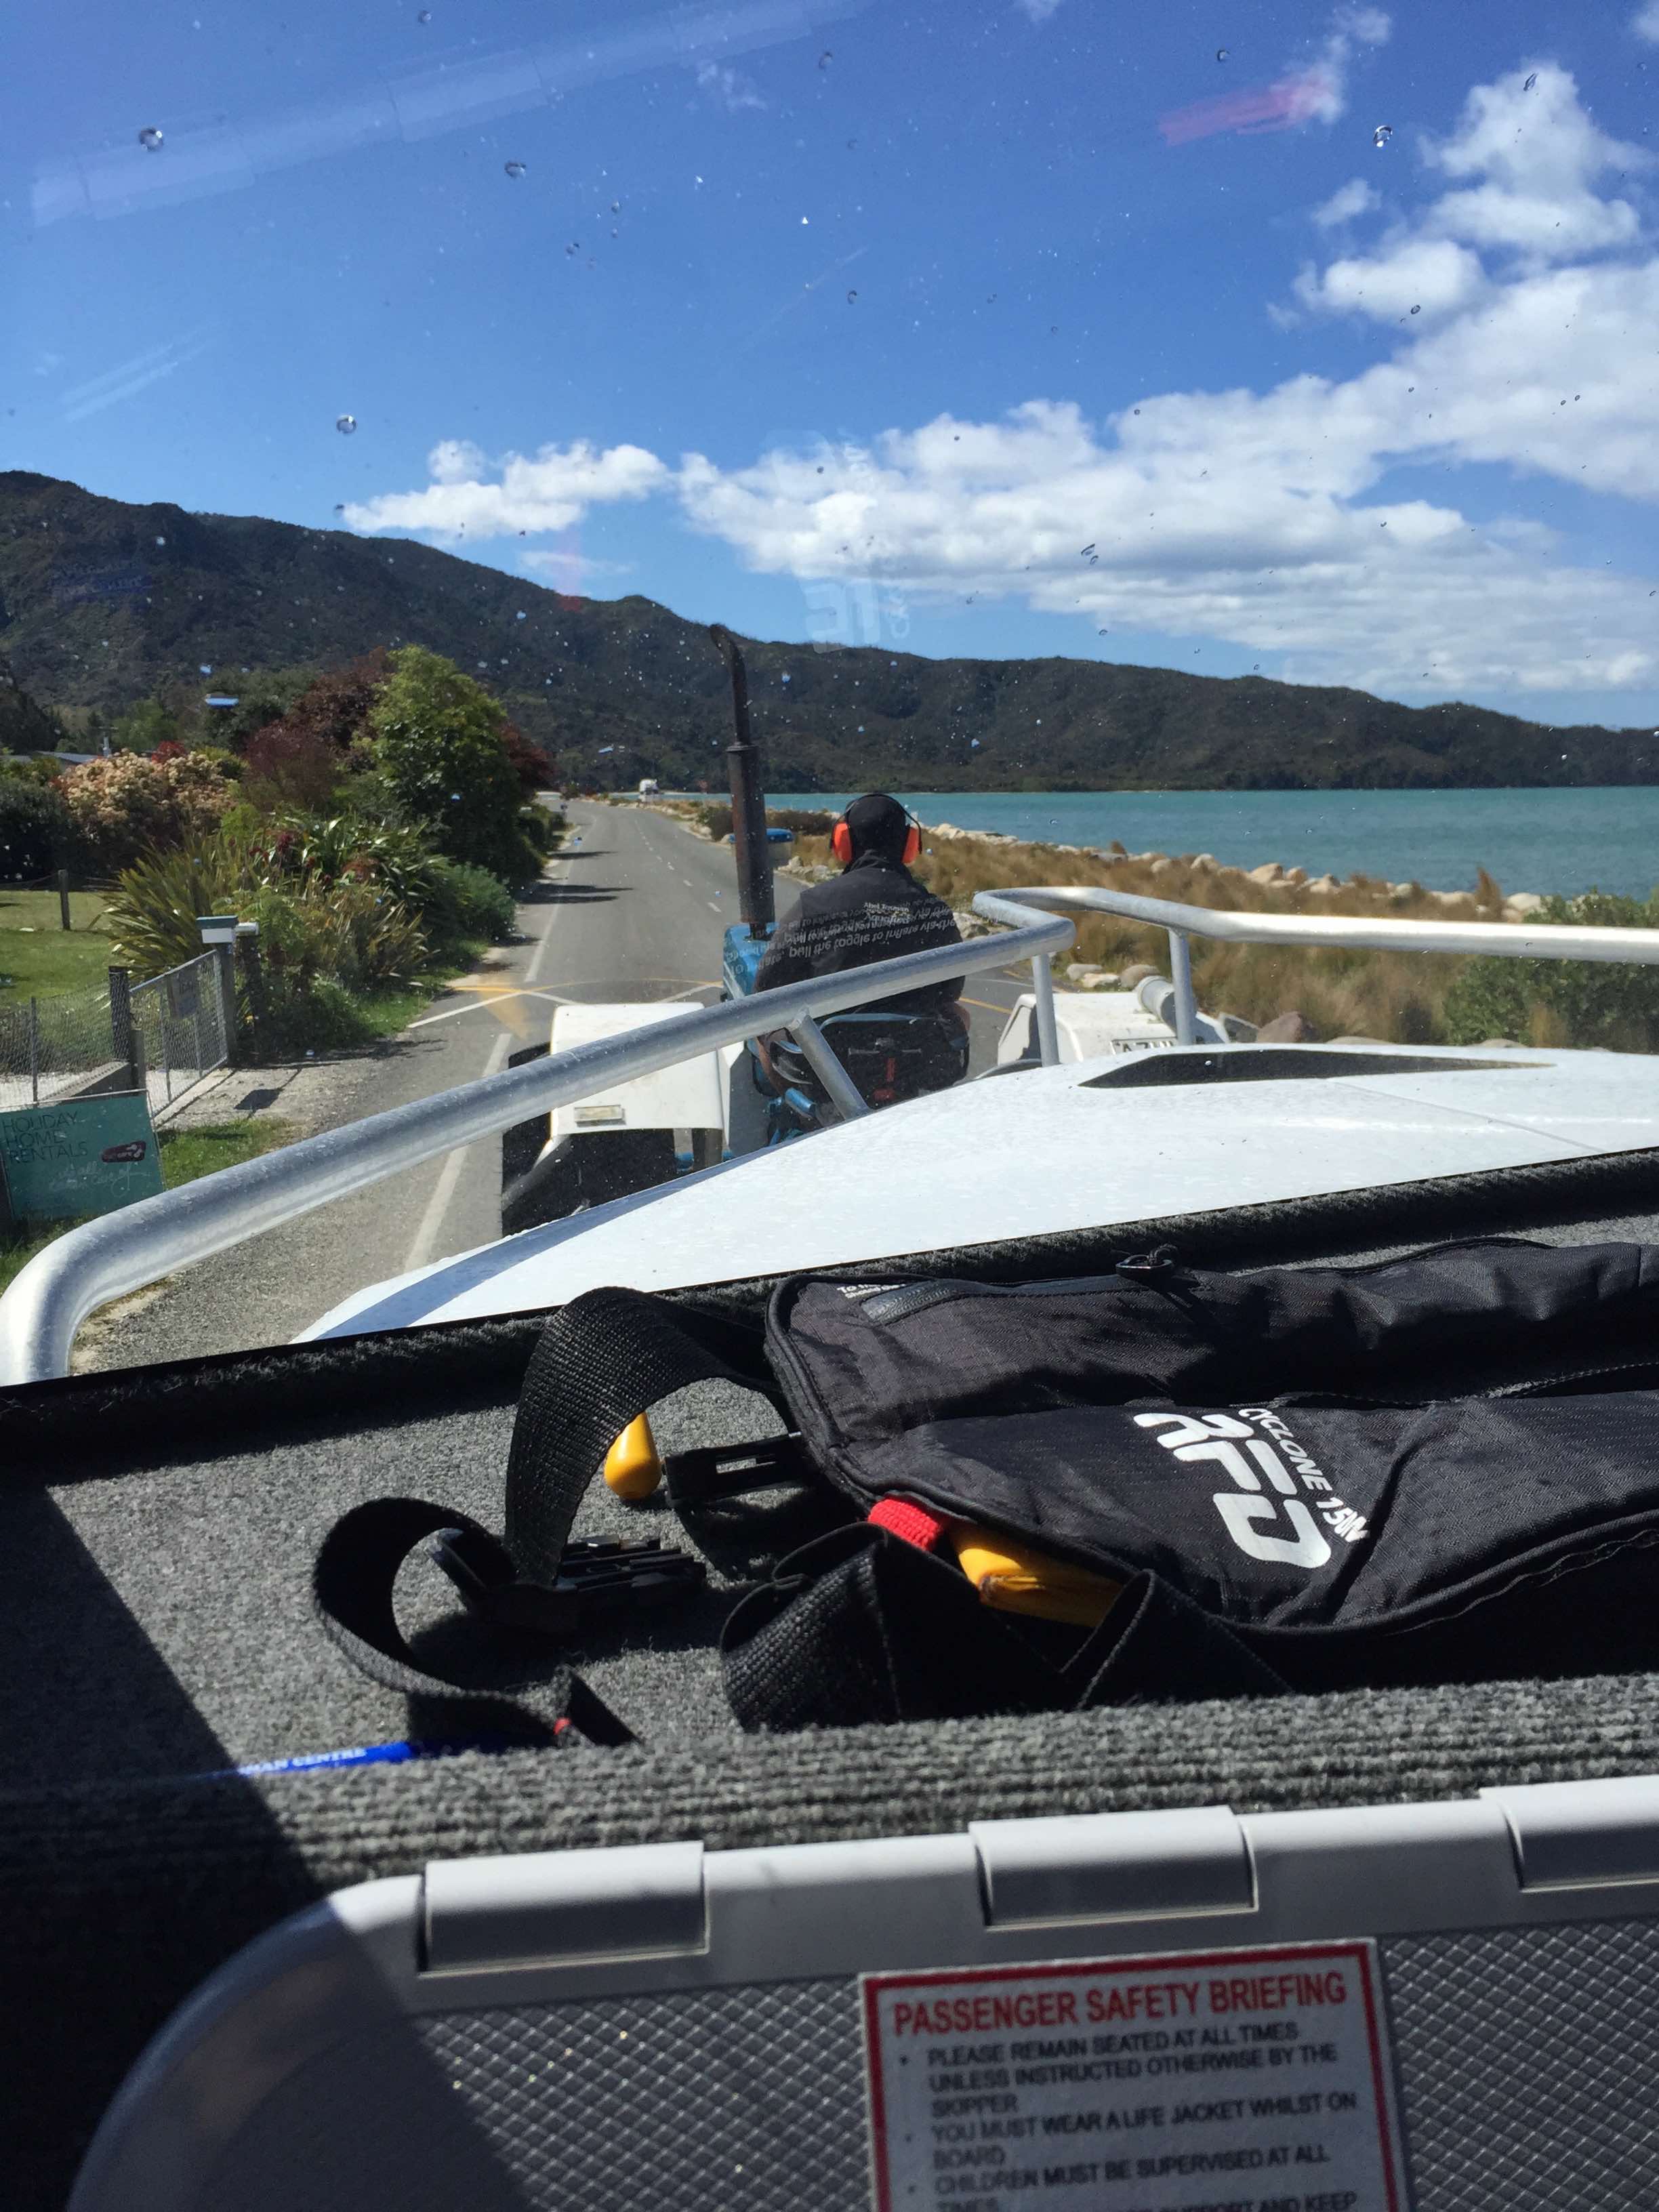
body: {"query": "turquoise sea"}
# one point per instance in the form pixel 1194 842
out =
pixel 1530 841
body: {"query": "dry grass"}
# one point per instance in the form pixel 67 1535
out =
pixel 1399 997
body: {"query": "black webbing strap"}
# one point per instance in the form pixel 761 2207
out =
pixel 351 1588
pixel 604 1359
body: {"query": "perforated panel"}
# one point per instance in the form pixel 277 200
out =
pixel 1528 2063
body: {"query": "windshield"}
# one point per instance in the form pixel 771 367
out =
pixel 1199 454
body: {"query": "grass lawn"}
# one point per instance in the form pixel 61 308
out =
pixel 186 1154
pixel 39 958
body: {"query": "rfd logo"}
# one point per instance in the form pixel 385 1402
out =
pixel 1249 1516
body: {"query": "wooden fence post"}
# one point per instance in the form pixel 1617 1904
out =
pixel 62 898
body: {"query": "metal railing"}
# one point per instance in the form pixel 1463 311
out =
pixel 1515 941
pixel 121 1252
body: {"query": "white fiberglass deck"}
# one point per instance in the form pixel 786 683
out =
pixel 1041 1151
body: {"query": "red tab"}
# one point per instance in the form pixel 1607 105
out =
pixel 899 1516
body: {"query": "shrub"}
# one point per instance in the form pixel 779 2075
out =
pixel 539 832
pixel 36 833
pixel 717 821
pixel 152 913
pixel 464 902
pixel 289 764
pixel 805 822
pixel 126 806
pixel 1614 1004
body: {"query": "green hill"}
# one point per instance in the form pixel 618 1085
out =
pixel 101 603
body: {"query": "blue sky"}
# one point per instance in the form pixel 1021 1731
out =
pixel 643 354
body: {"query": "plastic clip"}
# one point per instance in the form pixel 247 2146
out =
pixel 599 1581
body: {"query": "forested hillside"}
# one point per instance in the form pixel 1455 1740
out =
pixel 103 604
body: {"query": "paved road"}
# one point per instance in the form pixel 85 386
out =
pixel 633 907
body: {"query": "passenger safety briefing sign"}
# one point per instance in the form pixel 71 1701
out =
pixel 1221 2082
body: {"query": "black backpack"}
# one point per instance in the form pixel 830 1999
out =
pixel 1437 1469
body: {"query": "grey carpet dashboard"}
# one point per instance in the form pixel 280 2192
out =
pixel 156 1630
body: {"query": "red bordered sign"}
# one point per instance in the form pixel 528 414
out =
pixel 1251 2081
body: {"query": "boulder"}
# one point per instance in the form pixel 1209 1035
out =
pixel 1269 872
pixel 1161 867
pixel 1296 876
pixel 1131 977
pixel 1325 884
pixel 1102 979
pixel 1079 969
pixel 1519 904
pixel 1287 1028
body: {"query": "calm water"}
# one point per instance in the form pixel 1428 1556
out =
pixel 1530 841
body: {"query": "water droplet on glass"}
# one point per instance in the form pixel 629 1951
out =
pixel 1530 82
pixel 575 246
pixel 205 667
pixel 425 16
pixel 150 138
pixel 1382 135
pixel 521 614
pixel 825 58
pixel 514 168
pixel 1221 53
pixel 851 296
pixel 973 744
pixel 1418 309
pixel 345 424
pixel 160 541
pixel 340 508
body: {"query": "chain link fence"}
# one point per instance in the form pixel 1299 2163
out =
pixel 179 1026
pixel 172 1029
pixel 51 1049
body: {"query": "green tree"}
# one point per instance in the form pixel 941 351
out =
pixel 144 727
pixel 440 739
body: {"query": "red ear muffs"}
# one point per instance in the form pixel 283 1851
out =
pixel 912 845
pixel 840 844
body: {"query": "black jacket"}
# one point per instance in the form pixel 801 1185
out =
pixel 873 910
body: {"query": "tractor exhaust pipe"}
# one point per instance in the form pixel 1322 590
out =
pixel 748 799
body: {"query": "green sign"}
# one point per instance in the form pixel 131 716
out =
pixel 82 1156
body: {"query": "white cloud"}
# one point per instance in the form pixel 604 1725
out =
pixel 1354 199
pixel 1645 22
pixel 1534 154
pixel 1327 81
pixel 1262 518
pixel 729 87
pixel 1430 276
pixel 1209 514
pixel 548 492
pixel 452 460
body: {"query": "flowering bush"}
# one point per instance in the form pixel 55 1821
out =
pixel 126 807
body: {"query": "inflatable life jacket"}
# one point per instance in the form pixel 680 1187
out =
pixel 1159 1483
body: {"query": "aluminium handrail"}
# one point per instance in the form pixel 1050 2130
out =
pixel 105 1258
pixel 1514 940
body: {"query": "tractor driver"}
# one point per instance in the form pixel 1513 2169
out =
pixel 873 910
